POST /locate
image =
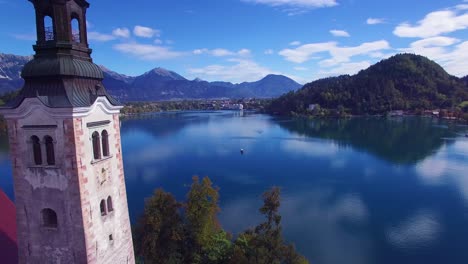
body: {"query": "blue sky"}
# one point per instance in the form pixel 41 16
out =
pixel 244 40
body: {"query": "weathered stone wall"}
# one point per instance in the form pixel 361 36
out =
pixel 39 187
pixel 99 180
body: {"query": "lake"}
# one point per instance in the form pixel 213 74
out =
pixel 357 191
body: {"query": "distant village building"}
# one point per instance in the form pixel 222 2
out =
pixel 312 107
pixel 229 106
pixel 64 134
pixel 397 113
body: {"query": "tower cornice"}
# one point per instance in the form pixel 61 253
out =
pixel 30 105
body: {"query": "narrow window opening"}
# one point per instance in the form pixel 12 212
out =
pixel 49 28
pixel 110 208
pixel 105 143
pixel 36 147
pixel 103 208
pixel 75 26
pixel 49 143
pixel 49 218
pixel 111 238
pixel 96 146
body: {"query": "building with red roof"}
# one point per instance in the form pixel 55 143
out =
pixel 8 244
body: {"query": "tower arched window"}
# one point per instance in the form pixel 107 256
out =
pixel 50 152
pixel 49 28
pixel 110 208
pixel 75 29
pixel 36 148
pixel 102 206
pixel 49 218
pixel 96 145
pixel 105 143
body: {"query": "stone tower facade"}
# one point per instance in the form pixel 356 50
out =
pixel 64 134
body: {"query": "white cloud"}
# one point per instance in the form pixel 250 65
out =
pixel 338 54
pixel 121 32
pixel 434 24
pixel 339 33
pixel 295 43
pixel 375 21
pixel 145 32
pixel 96 36
pixel 269 52
pixel 295 7
pixel 240 70
pixel 222 52
pixel 296 3
pixel 158 41
pixel 462 7
pixel 148 52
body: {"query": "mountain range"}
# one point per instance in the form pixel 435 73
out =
pixel 159 84
pixel 402 82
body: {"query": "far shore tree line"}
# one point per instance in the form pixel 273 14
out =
pixel 173 232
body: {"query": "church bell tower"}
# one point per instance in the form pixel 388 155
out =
pixel 64 134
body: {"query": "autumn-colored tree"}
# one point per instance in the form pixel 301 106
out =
pixel 165 235
pixel 204 232
pixel 159 233
pixel 265 244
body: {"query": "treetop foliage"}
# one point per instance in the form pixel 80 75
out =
pixel 173 232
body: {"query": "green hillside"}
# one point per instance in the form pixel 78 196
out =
pixel 402 82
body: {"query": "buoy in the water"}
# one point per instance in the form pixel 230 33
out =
pixel 242 151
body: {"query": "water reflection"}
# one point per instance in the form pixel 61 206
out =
pixel 362 191
pixel 400 140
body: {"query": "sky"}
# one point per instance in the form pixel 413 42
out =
pixel 244 40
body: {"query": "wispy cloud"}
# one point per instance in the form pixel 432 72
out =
pixel 145 32
pixel 339 33
pixel 100 37
pixel 434 24
pixel 148 52
pixel 222 52
pixel 338 54
pixel 269 52
pixel 237 70
pixel 375 21
pixel 296 3
pixel 121 32
pixel 295 43
pixel 295 7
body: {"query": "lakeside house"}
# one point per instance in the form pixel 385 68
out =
pixel 312 107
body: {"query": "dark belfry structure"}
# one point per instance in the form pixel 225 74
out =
pixel 64 134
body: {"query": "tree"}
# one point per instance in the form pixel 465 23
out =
pixel 202 225
pixel 159 233
pixel 264 244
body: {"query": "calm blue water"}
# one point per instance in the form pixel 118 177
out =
pixel 359 191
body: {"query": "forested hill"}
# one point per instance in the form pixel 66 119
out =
pixel 402 82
